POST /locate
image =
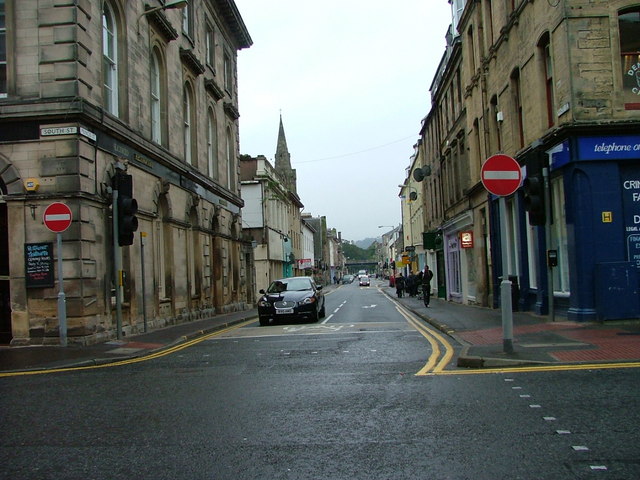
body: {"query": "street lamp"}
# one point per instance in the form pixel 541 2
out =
pixel 176 4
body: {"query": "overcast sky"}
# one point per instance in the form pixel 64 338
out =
pixel 351 79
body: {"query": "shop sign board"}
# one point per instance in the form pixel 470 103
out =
pixel 38 265
pixel 466 239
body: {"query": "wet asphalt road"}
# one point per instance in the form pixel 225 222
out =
pixel 334 400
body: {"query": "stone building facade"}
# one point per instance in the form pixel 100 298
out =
pixel 267 221
pixel 98 86
pixel 554 85
pixel 273 218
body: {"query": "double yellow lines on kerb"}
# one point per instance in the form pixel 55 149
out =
pixel 441 349
pixel 439 360
pixel 129 361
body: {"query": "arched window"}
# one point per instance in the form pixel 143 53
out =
pixel 110 59
pixel 189 124
pixel 629 27
pixel 516 96
pixel 156 108
pixel 544 47
pixel 212 146
pixel 231 164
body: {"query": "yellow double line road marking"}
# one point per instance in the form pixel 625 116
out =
pixel 129 361
pixel 545 368
pixel 437 361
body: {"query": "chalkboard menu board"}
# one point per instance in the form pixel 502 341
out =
pixel 38 264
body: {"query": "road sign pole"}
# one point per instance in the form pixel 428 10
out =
pixel 505 285
pixel 62 302
pixel 501 175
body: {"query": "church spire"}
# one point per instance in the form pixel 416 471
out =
pixel 283 161
pixel 283 158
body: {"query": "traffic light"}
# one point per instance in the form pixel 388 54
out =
pixel 127 209
pixel 533 187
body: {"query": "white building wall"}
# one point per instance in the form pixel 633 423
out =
pixel 252 216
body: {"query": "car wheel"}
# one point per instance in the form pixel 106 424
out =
pixel 264 322
pixel 314 316
pixel 322 312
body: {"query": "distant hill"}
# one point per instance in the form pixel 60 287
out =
pixel 366 243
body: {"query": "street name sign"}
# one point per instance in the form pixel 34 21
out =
pixel 57 217
pixel 501 175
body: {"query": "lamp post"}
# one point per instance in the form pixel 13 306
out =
pixel 177 4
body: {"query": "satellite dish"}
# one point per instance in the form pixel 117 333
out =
pixel 413 196
pixel 420 173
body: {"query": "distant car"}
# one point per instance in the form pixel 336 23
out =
pixel 347 279
pixel 364 281
pixel 288 299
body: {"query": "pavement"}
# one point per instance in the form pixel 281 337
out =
pixel 536 340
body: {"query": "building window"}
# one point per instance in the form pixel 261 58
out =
pixel 210 46
pixel 187 115
pixel 559 238
pixel 494 126
pixel 212 146
pixel 472 58
pixel 532 253
pixel 231 164
pixel 110 60
pixel 156 125
pixel 187 21
pixel 629 26
pixel 516 92
pixel 513 252
pixel 489 21
pixel 3 51
pixel 547 69
pixel 228 73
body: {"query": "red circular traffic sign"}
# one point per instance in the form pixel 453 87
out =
pixel 57 217
pixel 501 175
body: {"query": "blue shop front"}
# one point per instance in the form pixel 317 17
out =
pixel 598 240
pixel 591 228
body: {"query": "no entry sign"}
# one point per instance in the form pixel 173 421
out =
pixel 501 175
pixel 57 217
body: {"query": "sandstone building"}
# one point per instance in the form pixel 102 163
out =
pixel 555 85
pixel 93 87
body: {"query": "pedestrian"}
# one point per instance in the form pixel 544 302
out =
pixel 400 284
pixel 410 284
pixel 427 275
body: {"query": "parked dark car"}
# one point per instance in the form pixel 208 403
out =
pixel 347 278
pixel 288 299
